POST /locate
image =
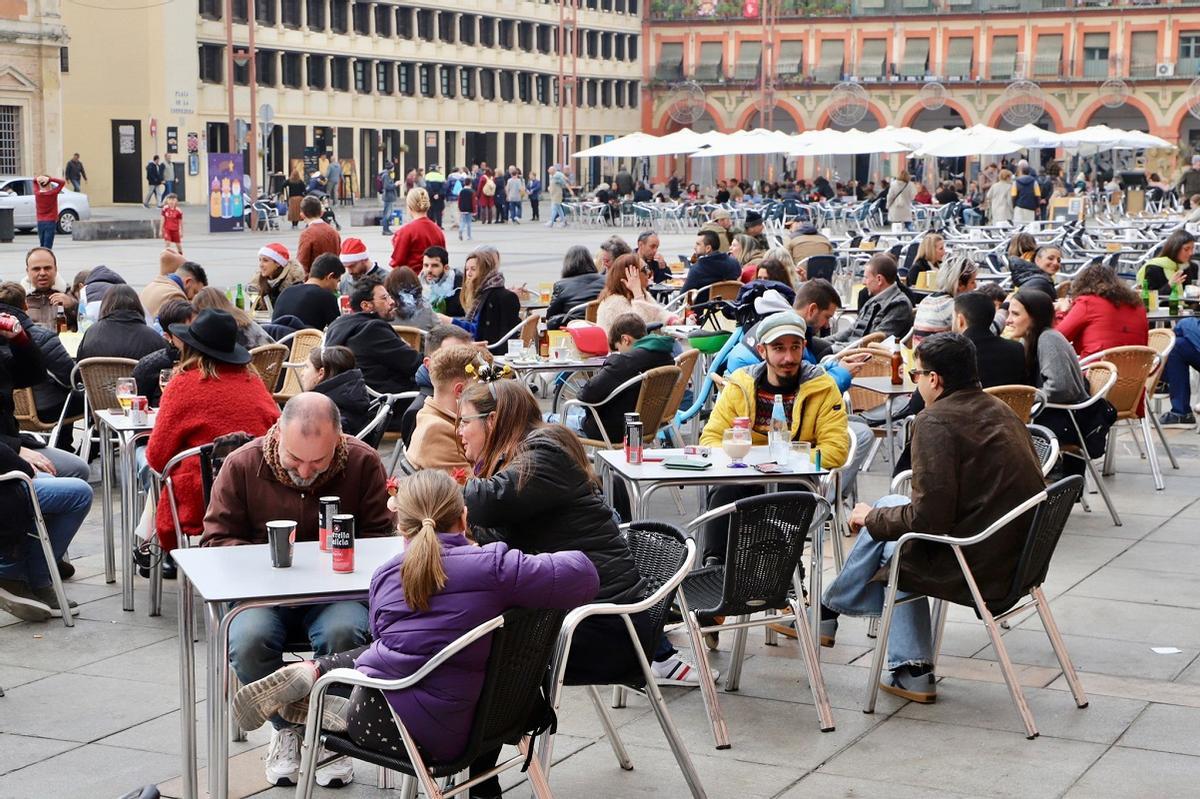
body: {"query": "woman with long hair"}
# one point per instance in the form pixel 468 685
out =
pixel 1032 266
pixel 1172 267
pixel 276 272
pixel 491 310
pixel 900 196
pixel 417 235
pixel 250 334
pixel 333 371
pixel 296 189
pixel 773 267
pixel 744 249
pixel 214 391
pixel 121 331
pixel 439 587
pixel 1102 312
pixel 999 199
pixel 412 306
pixel 625 292
pixel 580 283
pixel 930 254
pixel 534 489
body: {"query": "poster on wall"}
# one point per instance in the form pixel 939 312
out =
pixel 225 171
pixel 173 140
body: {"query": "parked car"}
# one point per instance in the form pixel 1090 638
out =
pixel 17 193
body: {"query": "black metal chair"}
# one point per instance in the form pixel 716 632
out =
pixel 372 434
pixel 1050 510
pixel 664 556
pixel 820 266
pixel 762 563
pixel 522 642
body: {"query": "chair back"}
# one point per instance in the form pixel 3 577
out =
pixel 1134 366
pixel 766 542
pixel 529 330
pixel 302 343
pixel 821 266
pixel 880 365
pixel 268 362
pixel 686 362
pixel 590 310
pixel 412 336
pixel 99 376
pixel 1045 443
pixel 1162 341
pixel 1100 376
pixel 654 397
pixel 372 434
pixel 659 551
pixel 724 290
pixel 213 455
pixel 1020 398
pixel 25 411
pixel 1044 532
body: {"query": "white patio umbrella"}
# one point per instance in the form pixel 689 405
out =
pixel 848 142
pixel 681 141
pixel 752 142
pixel 965 142
pixel 1033 137
pixel 631 146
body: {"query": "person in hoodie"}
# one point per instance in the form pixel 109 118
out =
pixel 1026 195
pixel 121 331
pixel 635 353
pixel 96 285
pixel 331 371
pixel 387 363
pixel 439 587
pixel 1032 266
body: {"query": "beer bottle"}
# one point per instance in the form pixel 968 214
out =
pixel 60 319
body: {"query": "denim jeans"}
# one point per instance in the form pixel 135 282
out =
pixel 257 636
pixel 556 213
pixel 65 502
pixel 46 231
pixel 385 218
pixel 910 641
pixel 1184 357
pixel 464 224
pixel 514 210
pixel 972 217
pixel 66 464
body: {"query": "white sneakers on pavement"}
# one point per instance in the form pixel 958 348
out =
pixel 678 672
pixel 283 762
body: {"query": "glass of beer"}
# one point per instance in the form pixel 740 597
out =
pixel 544 291
pixel 126 388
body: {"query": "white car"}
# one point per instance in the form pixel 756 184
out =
pixel 17 193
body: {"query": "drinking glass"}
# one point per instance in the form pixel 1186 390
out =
pixel 801 455
pixel 516 349
pixel 164 377
pixel 736 444
pixel 126 389
pixel 544 291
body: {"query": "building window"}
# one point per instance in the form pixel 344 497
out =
pixel 523 92
pixel 362 19
pixel 525 36
pixel 64 60
pixel 542 87
pixel 425 24
pixel 466 86
pixel 543 38
pixel 264 67
pixel 446 80
pixel 592 94
pixel 211 9
pixel 316 71
pixel 619 46
pixel 487 32
pixel 291 70
pixel 289 13
pixel 606 47
pixel 316 15
pixel 404 22
pixel 466 28
pixel 606 98
pixel 1095 55
pixel 1189 46
pixel 632 94
pixel 383 20
pixel 504 36
pixel 384 84
pixel 241 72
pixel 10 140
pixel 506 86
pixel 445 25
pixel 487 84
pixel 670 62
pixel 404 73
pixel 424 84
pixel 239 11
pixel 339 73
pixel 339 16
pixel 212 64
pixel 1143 45
pixel 264 12
pixel 362 76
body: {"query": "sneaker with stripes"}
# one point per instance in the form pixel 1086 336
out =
pixel 678 672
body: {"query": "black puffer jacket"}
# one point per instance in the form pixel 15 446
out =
pixel 556 510
pixel 98 282
pixel 21 366
pixel 50 394
pixel 349 393
pixel 121 334
pixel 569 292
pixel 1026 275
pixel 387 363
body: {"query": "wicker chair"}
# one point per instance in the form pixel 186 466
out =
pixel 654 396
pixel 25 411
pixel 862 400
pixel 1135 366
pixel 302 342
pixel 686 361
pixel 268 362
pixel 99 376
pixel 1162 341
pixel 725 290
pixel 1025 401
pixel 590 310
pixel 762 563
pixel 413 336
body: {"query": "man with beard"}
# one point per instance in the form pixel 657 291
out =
pixel 281 476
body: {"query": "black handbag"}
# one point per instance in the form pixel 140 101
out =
pixel 1095 422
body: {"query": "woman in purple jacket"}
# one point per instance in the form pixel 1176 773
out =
pixel 441 586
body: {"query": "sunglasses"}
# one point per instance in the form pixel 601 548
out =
pixel 913 374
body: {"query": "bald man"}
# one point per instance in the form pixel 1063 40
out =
pixel 280 476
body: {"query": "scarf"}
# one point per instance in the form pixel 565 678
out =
pixel 493 281
pixel 271 456
pixel 440 289
pixel 409 302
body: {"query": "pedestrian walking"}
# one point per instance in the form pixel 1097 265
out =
pixel 74 172
pixel 535 197
pixel 466 211
pixel 154 179
pixel 168 175
pixel 514 190
pixel 387 190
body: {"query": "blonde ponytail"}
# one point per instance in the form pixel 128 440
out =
pixel 427 502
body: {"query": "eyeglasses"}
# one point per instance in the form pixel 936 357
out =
pixel 913 374
pixel 463 420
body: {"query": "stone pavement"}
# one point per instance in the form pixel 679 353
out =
pixel 93 711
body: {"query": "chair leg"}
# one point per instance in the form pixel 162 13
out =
pixel 537 778
pixel 396 452
pixel 1110 453
pixel 385 778
pixel 708 690
pixel 1091 467
pixel 881 637
pixel 1133 431
pixel 812 662
pixel 1151 453
pixel 1059 646
pixel 156 585
pixel 51 564
pixel 618 697
pixel 408 786
pixel 939 628
pixel 734 678
pixel 659 705
pixel 1162 436
pixel 610 729
pixel 1006 666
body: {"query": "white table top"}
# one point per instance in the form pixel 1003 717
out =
pixel 545 365
pixel 223 574
pixel 119 422
pixel 883 385
pixel 654 471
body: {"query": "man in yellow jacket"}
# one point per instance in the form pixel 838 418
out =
pixel 810 398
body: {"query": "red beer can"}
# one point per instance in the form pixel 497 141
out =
pixel 328 509
pixel 139 409
pixel 341 542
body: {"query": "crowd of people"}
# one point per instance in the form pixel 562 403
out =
pixel 504 508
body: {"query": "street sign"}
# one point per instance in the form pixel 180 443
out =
pixel 153 127
pixel 266 113
pixel 243 128
pixel 266 128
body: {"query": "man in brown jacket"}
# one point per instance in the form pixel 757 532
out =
pixel 435 442
pixel 973 462
pixel 281 476
pixel 318 238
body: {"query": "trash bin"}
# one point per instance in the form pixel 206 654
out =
pixel 6 225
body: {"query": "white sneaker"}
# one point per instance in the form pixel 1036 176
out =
pixel 283 757
pixel 336 774
pixel 678 672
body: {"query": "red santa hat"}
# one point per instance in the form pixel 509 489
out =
pixel 354 250
pixel 277 253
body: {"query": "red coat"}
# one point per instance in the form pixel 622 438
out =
pixel 410 241
pixel 46 200
pixel 194 411
pixel 1094 324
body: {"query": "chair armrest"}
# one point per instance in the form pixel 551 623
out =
pixel 991 529
pixel 900 478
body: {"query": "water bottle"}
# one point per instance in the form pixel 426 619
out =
pixel 779 435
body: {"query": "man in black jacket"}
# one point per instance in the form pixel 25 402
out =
pixel 387 363
pixel 709 264
pixel 313 302
pixel 1001 361
pixel 636 353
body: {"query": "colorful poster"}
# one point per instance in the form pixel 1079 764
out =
pixel 225 172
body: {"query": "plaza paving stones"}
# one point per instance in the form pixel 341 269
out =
pixel 92 712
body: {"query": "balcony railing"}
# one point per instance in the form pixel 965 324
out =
pixel 729 10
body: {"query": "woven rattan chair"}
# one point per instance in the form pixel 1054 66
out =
pixel 653 402
pixel 862 400
pixel 522 642
pixel 302 342
pixel 724 290
pixel 25 411
pixel 268 362
pixel 686 361
pixel 1162 341
pixel 99 376
pixel 39 532
pixel 1049 511
pixel 762 563
pixel 413 336
pixel 526 330
pixel 1026 401
pixel 590 311
pixel 1101 377
pixel 1135 366
pixel 663 556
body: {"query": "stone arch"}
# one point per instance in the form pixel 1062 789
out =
pixel 914 109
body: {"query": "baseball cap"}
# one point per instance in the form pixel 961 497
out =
pixel 720 213
pixel 776 326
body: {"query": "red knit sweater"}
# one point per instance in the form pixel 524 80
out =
pixel 412 239
pixel 194 411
